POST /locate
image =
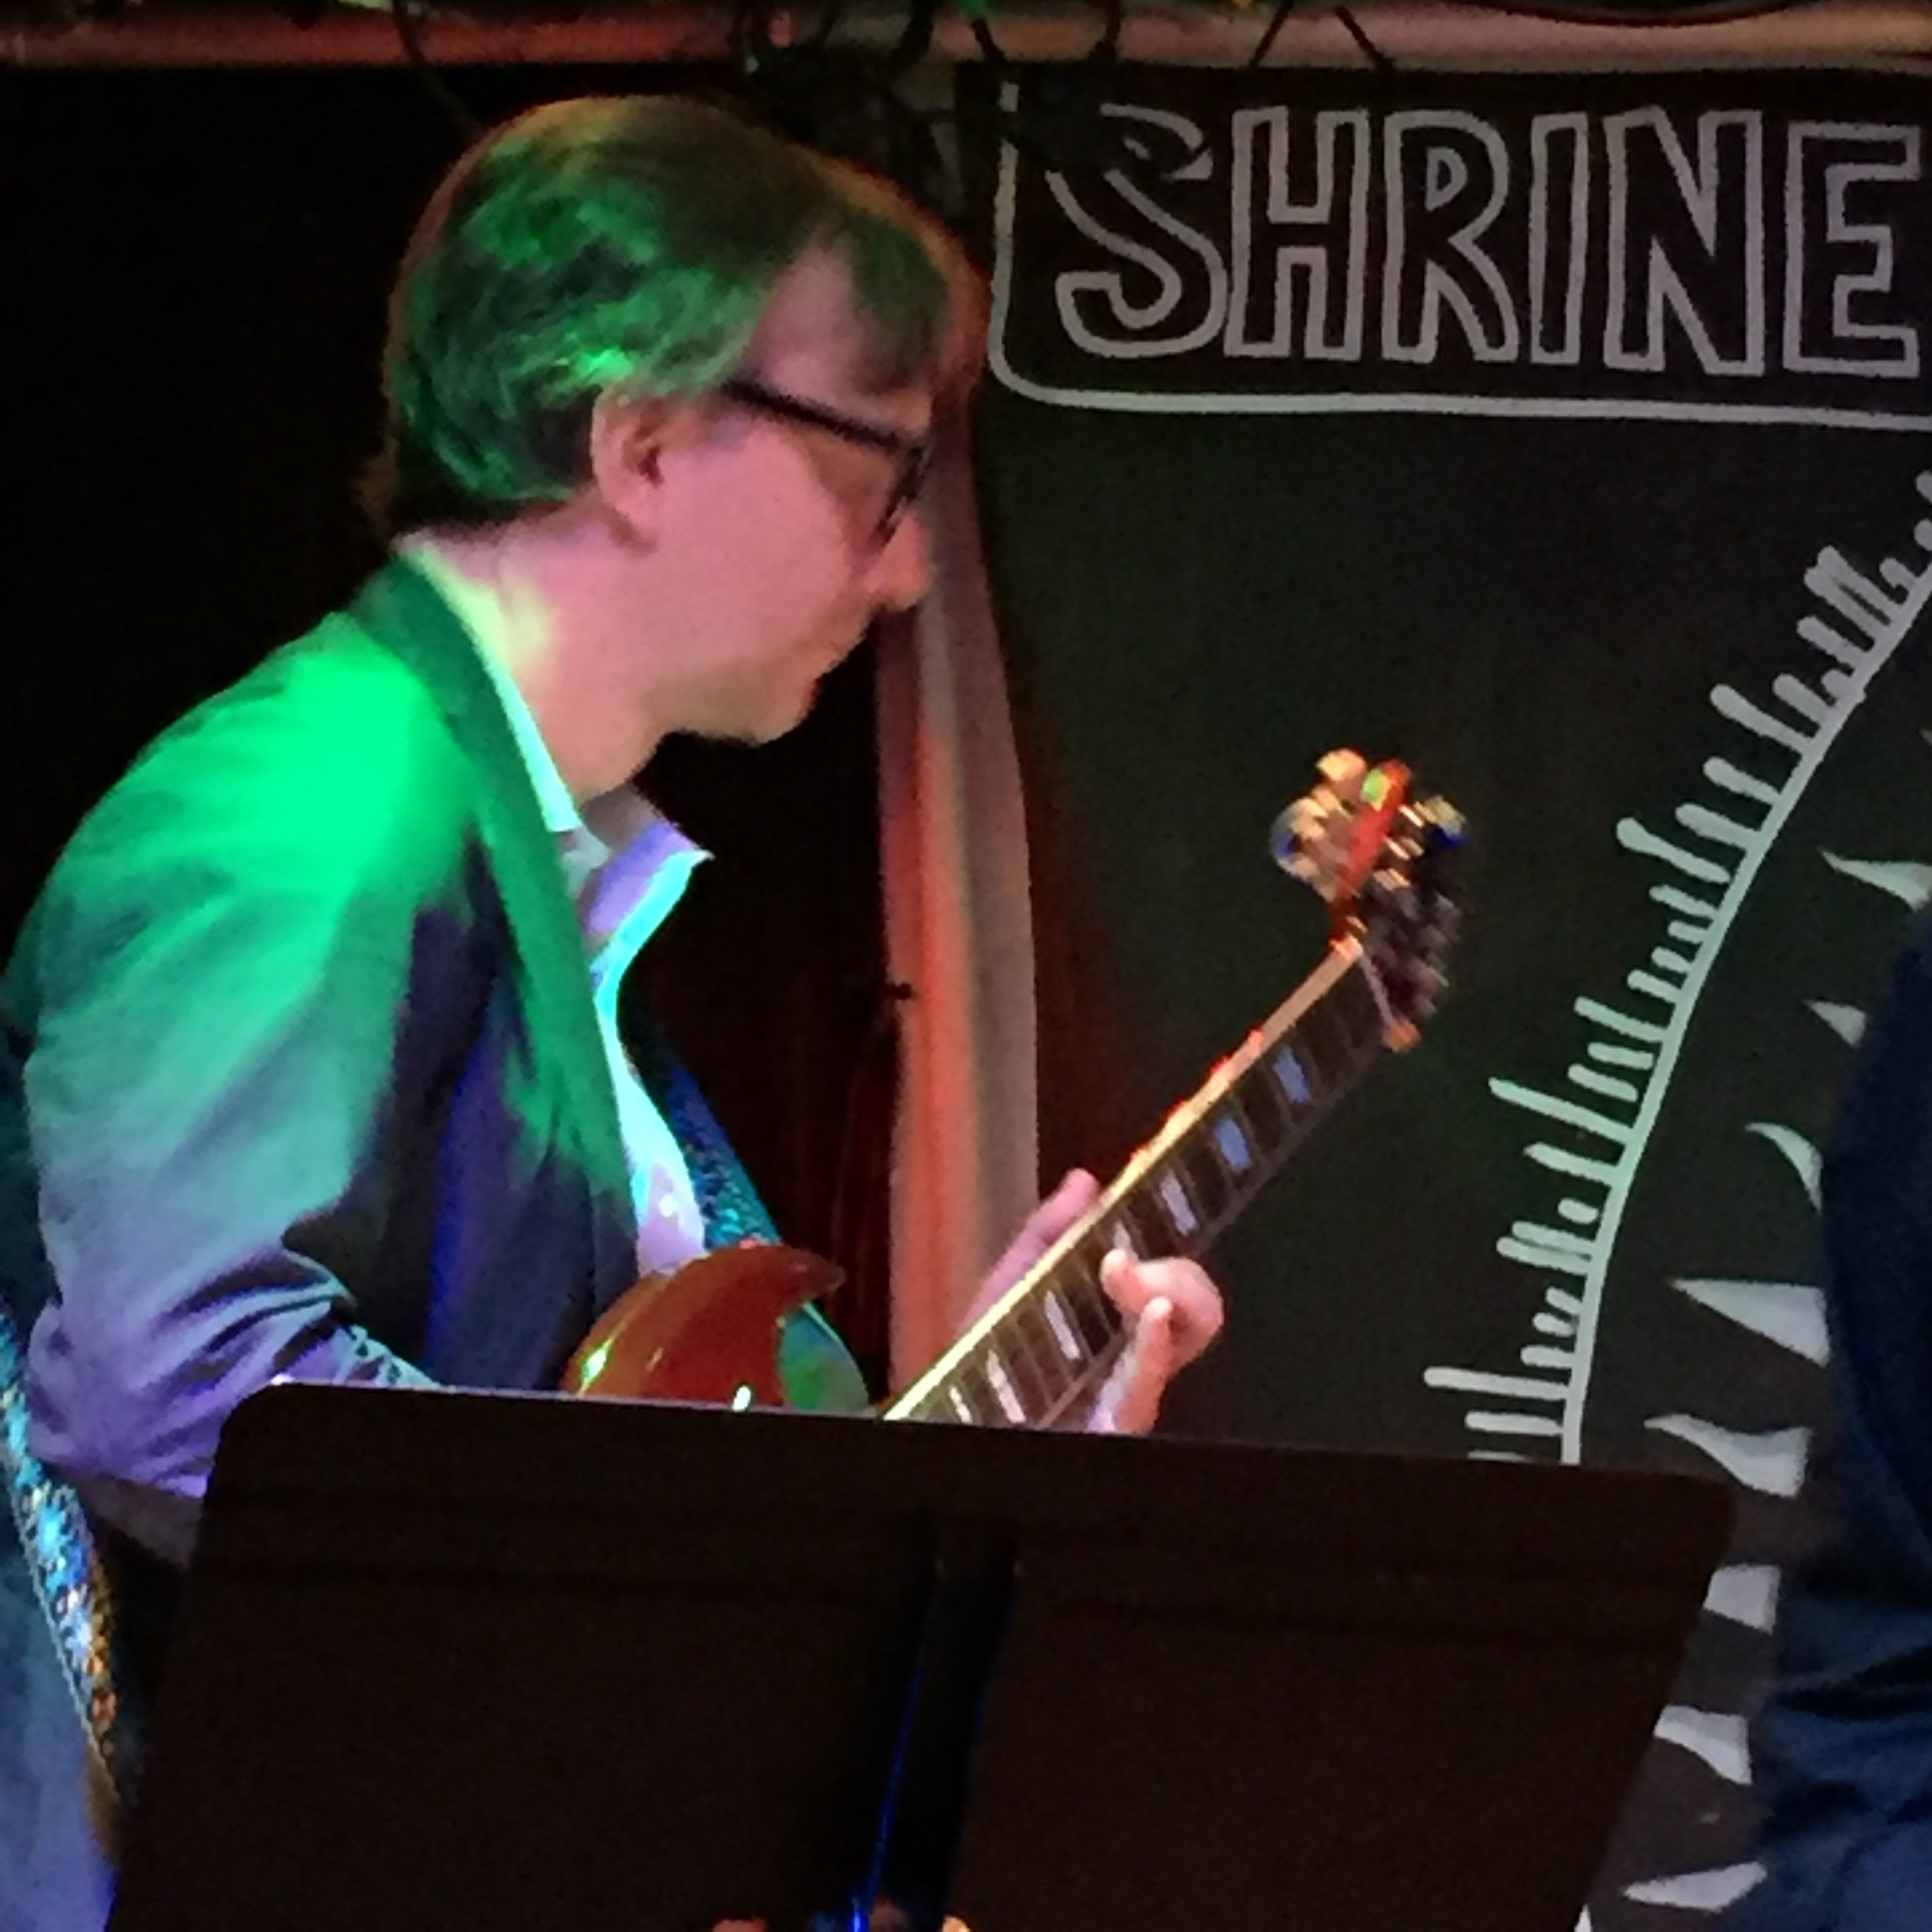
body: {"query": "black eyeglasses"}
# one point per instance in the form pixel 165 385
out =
pixel 911 455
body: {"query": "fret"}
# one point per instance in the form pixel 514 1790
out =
pixel 1331 1043
pixel 1005 1392
pixel 1228 1135
pixel 1059 1372
pixel 1024 1365
pixel 1035 1374
pixel 1291 1076
pixel 1276 1131
pixel 959 1402
pixel 1094 1315
pixel 1146 1214
pixel 1060 1324
pixel 1261 1106
pixel 1366 996
pixel 983 1390
pixel 1029 1370
pixel 1177 1202
pixel 1324 1048
pixel 1206 1179
pixel 1081 1262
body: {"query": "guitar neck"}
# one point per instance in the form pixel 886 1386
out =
pixel 1048 1344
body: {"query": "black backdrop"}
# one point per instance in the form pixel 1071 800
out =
pixel 1213 564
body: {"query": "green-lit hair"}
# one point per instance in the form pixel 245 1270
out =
pixel 629 244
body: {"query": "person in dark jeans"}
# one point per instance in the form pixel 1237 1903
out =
pixel 1843 1744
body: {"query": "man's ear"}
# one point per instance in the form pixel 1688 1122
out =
pixel 628 438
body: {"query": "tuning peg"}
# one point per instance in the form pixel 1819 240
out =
pixel 1393 890
pixel 1343 768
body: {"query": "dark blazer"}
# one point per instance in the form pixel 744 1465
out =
pixel 1844 1746
pixel 304 1004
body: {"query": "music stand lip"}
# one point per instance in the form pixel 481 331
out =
pixel 363 1551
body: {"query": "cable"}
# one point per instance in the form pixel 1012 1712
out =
pixel 1377 59
pixel 1265 45
pixel 842 98
pixel 409 26
pixel 875 1059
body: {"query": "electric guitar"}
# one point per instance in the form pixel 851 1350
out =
pixel 1042 1353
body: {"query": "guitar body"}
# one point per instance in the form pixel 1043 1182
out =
pixel 707 1332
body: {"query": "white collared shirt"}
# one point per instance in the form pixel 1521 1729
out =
pixel 626 866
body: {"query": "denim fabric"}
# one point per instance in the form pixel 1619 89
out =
pixel 53 1877
pixel 1843 1745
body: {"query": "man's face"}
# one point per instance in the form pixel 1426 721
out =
pixel 770 540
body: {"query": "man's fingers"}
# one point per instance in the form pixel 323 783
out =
pixel 1195 1309
pixel 1077 1191
pixel 1155 1355
pixel 1044 1225
pixel 1133 1399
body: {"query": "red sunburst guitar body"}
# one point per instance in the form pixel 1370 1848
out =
pixel 707 1332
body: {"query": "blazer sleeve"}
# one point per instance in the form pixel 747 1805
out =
pixel 222 970
pixel 1845 1740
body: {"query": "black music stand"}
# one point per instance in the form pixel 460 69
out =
pixel 532 1662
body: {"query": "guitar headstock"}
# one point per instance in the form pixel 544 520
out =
pixel 1379 856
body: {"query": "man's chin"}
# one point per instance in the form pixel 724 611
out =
pixel 773 723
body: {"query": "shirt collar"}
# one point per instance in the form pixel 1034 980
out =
pixel 626 863
pixel 560 814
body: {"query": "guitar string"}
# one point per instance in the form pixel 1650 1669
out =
pixel 1004 1337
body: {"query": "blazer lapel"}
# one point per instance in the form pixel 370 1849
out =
pixel 402 611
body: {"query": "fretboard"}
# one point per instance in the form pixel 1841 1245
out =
pixel 1045 1348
